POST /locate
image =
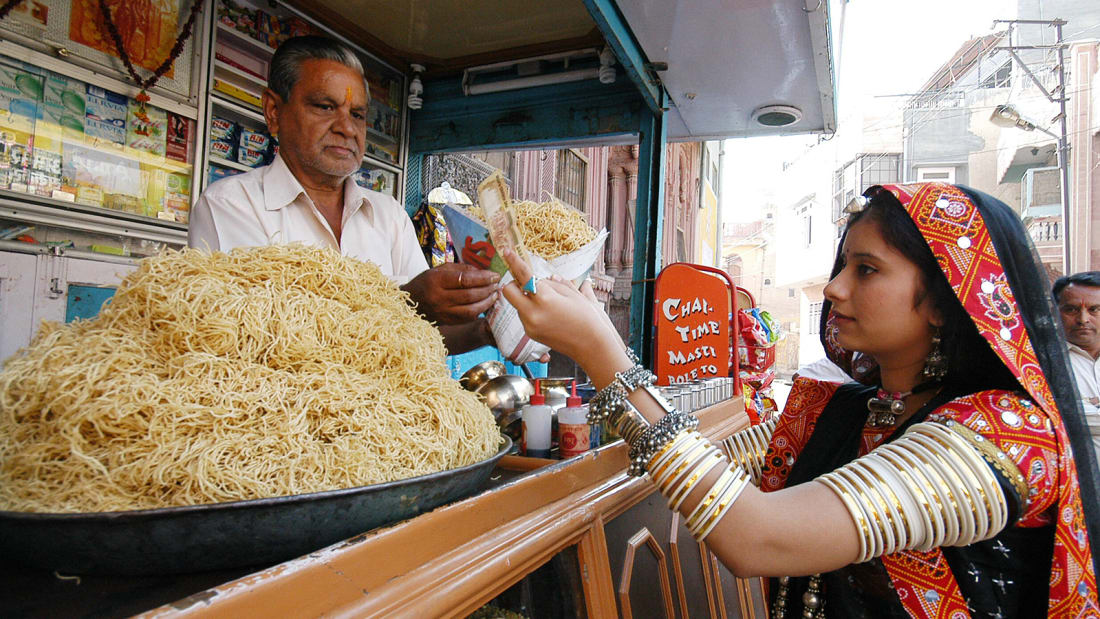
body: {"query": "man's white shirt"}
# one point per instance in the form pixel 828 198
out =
pixel 1087 371
pixel 268 206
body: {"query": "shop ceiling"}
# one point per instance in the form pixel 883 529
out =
pixel 725 59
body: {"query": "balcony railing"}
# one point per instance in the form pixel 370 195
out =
pixel 1046 231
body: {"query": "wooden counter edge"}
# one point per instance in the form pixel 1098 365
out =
pixel 452 560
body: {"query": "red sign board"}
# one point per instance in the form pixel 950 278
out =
pixel 692 319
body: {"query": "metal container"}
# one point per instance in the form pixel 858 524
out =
pixel 505 395
pixel 480 374
pixel 196 538
pixel 556 389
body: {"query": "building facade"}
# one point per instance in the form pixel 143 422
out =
pixel 602 183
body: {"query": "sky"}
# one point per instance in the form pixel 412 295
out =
pixel 887 47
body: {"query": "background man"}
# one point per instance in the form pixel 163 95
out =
pixel 1078 299
pixel 316 104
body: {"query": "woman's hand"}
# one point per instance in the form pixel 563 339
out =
pixel 568 320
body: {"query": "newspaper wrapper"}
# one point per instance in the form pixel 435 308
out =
pixel 471 239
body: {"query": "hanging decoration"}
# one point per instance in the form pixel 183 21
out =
pixel 8 6
pixel 177 49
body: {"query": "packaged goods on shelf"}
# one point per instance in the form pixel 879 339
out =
pixel 255 140
pixel 177 197
pixel 146 126
pixel 225 150
pixel 251 157
pixel 105 115
pixel 217 173
pixel 15 159
pixel 20 94
pixel 376 180
pixel 263 26
pixel 227 50
pixel 178 138
pixel 223 138
pixel 61 116
pixel 223 129
pixel 235 16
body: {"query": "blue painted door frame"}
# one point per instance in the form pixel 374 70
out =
pixel 648 226
pixel 573 113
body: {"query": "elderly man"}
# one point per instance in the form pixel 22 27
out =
pixel 316 105
pixel 1078 299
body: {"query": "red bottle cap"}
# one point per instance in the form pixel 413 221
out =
pixel 573 400
pixel 538 399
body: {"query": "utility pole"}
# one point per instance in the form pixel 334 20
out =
pixel 1058 96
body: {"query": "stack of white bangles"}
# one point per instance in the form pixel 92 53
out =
pixel 930 488
pixel 682 464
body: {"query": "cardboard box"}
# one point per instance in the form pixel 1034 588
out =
pixel 20 95
pixel 61 115
pixel 146 128
pixel 105 115
pixel 178 142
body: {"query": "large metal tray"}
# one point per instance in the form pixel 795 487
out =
pixel 197 538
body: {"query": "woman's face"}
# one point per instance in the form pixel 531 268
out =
pixel 873 299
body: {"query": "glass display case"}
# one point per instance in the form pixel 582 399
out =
pixel 72 141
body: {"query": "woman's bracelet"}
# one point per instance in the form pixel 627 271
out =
pixel 645 440
pixel 657 436
pixel 931 487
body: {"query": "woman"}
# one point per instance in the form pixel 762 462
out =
pixel 945 479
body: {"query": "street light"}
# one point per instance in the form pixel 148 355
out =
pixel 1006 115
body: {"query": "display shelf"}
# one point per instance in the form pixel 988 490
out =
pixel 238 76
pixel 225 163
pixel 369 160
pixel 239 37
pixel 380 135
pixel 241 111
pixel 44 211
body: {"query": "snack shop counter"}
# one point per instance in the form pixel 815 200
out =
pixel 574 537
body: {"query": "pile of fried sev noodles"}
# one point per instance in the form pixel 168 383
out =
pixel 550 229
pixel 213 377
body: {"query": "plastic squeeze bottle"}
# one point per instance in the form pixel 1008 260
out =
pixel 573 438
pixel 536 425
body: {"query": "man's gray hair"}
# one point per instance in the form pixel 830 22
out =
pixel 287 62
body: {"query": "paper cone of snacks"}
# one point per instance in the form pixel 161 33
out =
pixel 554 238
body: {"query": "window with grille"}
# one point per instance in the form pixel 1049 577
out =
pixel 880 169
pixel 1001 78
pixel 815 318
pixel 570 178
pixel 860 173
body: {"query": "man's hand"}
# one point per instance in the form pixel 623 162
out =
pixel 453 293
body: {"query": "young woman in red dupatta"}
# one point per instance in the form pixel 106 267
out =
pixel 954 479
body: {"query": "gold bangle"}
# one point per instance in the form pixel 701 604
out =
pixel 695 453
pixel 939 458
pixel 832 482
pixel 684 489
pixel 973 464
pixel 729 494
pixel 891 537
pixel 907 530
pixel 674 449
pixel 954 453
pixel 922 486
pixel 961 514
pixel 712 494
pixel 994 456
pixel 875 520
